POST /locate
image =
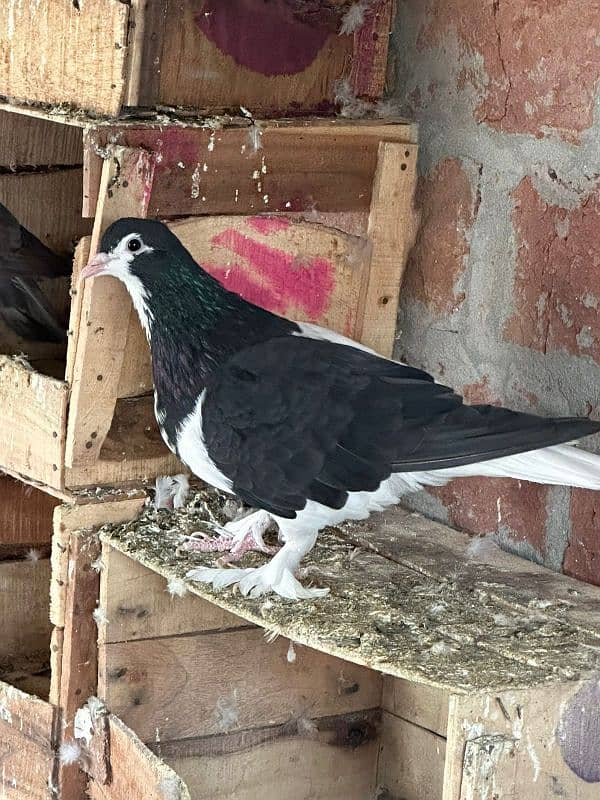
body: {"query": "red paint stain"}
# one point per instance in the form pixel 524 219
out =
pixel 285 281
pixel 268 225
pixel 267 38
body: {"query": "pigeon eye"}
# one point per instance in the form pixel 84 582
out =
pixel 134 245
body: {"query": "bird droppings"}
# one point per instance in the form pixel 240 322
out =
pixel 177 587
pixel 389 616
pixel 291 654
pixel 97 565
pixel 169 788
pixel 227 713
pixel 70 752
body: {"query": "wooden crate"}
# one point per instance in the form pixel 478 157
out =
pixel 433 670
pixel 282 57
pixel 331 249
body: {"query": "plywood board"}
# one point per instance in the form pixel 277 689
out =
pixel 79 55
pixel 33 423
pixel 299 166
pixel 162 683
pixel 138 604
pixel 27 728
pixel 423 705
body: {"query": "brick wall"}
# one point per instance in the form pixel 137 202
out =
pixel 502 295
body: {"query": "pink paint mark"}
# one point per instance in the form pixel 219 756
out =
pixel 268 225
pixel 235 279
pixel 267 38
pixel 350 322
pixel 307 285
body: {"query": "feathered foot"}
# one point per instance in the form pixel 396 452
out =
pixel 236 538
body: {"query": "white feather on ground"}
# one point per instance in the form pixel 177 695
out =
pixel 70 752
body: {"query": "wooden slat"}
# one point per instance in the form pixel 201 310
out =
pixel 25 516
pixel 78 671
pixel 371 40
pixel 411 761
pixel 27 728
pixel 329 167
pixel 316 758
pixel 138 605
pixel 27 141
pixel 70 518
pixel 147 25
pixel 136 771
pixel 104 315
pixel 513 744
pixel 162 683
pixel 33 422
pixel 24 618
pixel 392 228
pixel 423 705
pixel 48 204
pixel 78 57
pixel 80 259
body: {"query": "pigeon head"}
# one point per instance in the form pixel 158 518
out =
pixel 160 275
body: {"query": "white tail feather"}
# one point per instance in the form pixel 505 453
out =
pixel 561 464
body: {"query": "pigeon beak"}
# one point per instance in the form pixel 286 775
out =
pixel 97 266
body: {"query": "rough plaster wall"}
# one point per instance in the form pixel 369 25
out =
pixel 502 293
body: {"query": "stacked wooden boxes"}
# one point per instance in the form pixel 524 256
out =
pixel 101 119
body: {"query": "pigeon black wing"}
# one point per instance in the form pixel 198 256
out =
pixel 294 418
pixel 23 254
pixel 26 310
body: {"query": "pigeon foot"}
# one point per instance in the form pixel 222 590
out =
pixel 235 538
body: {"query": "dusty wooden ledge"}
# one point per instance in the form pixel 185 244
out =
pixel 409 597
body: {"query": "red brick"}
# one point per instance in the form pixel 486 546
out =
pixel 486 505
pixel 540 57
pixel 582 556
pixel 557 281
pixel 437 261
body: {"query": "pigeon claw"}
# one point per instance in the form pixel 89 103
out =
pixel 235 538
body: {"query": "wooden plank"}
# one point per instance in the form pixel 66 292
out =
pixel 147 25
pixel 27 727
pixel 80 259
pixel 411 761
pixel 136 771
pixel 516 584
pixel 25 516
pixel 48 204
pixel 332 758
pixel 115 473
pixel 203 67
pixel 78 669
pixel 138 605
pixel 27 142
pixel 79 55
pixel 162 683
pixel 32 427
pixel 510 743
pixel 371 42
pixel 423 705
pixel 328 167
pixel 391 231
pixel 24 618
pixel 70 518
pixel 104 315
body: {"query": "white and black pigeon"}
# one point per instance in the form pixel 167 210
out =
pixel 23 261
pixel 301 423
